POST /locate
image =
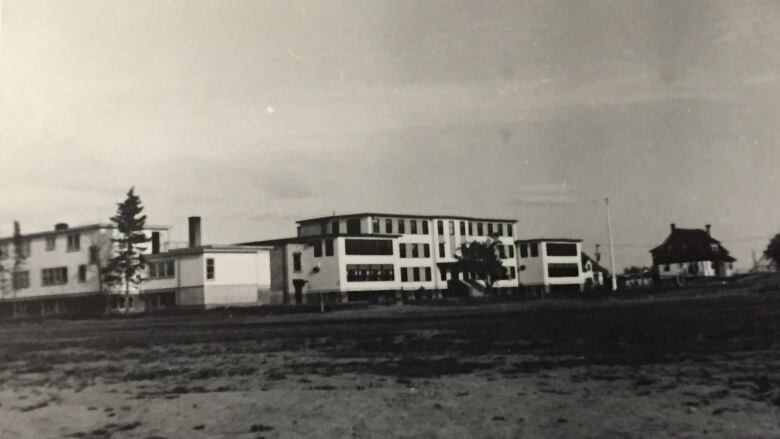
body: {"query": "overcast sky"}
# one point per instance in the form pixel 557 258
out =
pixel 255 114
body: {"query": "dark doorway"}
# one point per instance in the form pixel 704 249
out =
pixel 298 285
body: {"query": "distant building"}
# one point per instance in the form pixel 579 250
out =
pixel 691 253
pixel 551 265
pixel 594 275
pixel 378 256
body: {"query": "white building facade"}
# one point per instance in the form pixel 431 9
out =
pixel 379 257
pixel 550 265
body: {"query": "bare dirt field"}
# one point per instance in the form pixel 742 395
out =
pixel 704 367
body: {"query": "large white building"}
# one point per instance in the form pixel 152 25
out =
pixel 550 265
pixel 379 256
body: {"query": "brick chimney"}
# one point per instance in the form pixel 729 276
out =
pixel 194 223
pixel 673 227
pixel 708 228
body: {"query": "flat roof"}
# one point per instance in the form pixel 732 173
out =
pixel 77 229
pixel 208 249
pixel 301 239
pixel 403 215
pixel 549 240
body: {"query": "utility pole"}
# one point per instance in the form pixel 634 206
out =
pixel 611 247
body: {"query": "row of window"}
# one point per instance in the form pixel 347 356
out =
pixel 414 250
pixel 563 270
pixel 368 247
pixel 532 248
pixel 73 244
pixel 553 249
pixel 328 244
pixel 467 228
pixel 370 273
pixel 415 226
pixel 162 269
pixel 415 274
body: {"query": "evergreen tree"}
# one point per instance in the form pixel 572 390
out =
pixel 21 251
pixel 772 252
pixel 482 260
pixel 125 267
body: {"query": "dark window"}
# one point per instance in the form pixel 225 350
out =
pixel 317 249
pixel 490 229
pixel 155 242
pixel 74 242
pixel 401 226
pixel 402 250
pixel 370 273
pixel 353 226
pixel 413 227
pixel 425 227
pixel 462 228
pixel 563 270
pixel 21 280
pixel 479 229
pixel 388 226
pixel 523 250
pixel 334 228
pixel 51 242
pixel 509 230
pixel 534 249
pixel 500 229
pixel 328 247
pixel 82 273
pixel 501 252
pixel 296 262
pixel 667 267
pixel 323 229
pixel 511 249
pixel 210 267
pixel 441 250
pixel 374 247
pixel 404 275
pixel 426 250
pixel 440 227
pixel 94 254
pixel 428 274
pixel 561 249
pixel 415 250
pixel 471 228
pixel 512 273
pixel 375 225
pixel 443 274
pixel 416 274
pixel 693 267
pixel 54 276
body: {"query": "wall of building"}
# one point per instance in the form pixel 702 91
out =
pixel 704 269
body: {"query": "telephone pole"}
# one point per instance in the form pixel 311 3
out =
pixel 611 247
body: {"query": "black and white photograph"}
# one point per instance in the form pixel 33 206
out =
pixel 389 219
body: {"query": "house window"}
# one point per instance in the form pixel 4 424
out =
pixel 479 229
pixel 401 227
pixel 523 250
pixel 74 242
pixel 693 267
pixel 210 267
pixel 425 227
pixel 500 229
pixel 563 270
pixel 561 249
pixel 370 273
pixel 334 227
pixel 413 227
pixel 427 274
pixel 534 249
pixel 51 243
pixel 667 267
pixel 54 276
pixel 509 230
pixel 162 269
pixel 317 249
pixel 388 226
pixel 375 225
pixel 490 229
pixel 443 274
pixel 511 249
pixel 415 250
pixel 372 247
pixel 21 280
pixel 296 262
pixel 3 250
pixel 402 250
pixel 452 227
pixel 323 229
pixel 441 250
pixel 501 252
pixel 426 250
pixel 714 247
pixel 353 226
pixel 328 247
pixel 404 275
pixel 82 273
pixel 440 227
pixel 512 273
pixel 471 228
pixel 462 228
pixel 416 274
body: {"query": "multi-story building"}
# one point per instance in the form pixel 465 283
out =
pixel 550 265
pixel 691 253
pixel 61 269
pixel 377 256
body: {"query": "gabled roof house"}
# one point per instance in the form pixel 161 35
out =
pixel 691 253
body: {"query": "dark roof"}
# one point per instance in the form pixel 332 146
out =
pixel 399 215
pixel 685 245
pixel 549 240
pixel 208 249
pixel 304 239
pixel 596 266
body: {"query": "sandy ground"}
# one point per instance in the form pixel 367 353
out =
pixel 675 369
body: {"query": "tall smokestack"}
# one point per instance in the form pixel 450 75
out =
pixel 709 228
pixel 194 231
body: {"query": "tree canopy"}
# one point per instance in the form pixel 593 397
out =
pixel 481 259
pixel 772 252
